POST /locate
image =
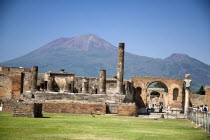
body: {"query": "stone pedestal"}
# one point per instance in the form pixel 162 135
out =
pixel 120 68
pixel 102 84
pixel 34 78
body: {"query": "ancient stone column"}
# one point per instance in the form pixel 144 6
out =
pixel 120 68
pixel 50 83
pixel 34 78
pixel 187 81
pixel 84 85
pixel 102 82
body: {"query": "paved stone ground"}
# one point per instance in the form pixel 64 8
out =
pixel 158 115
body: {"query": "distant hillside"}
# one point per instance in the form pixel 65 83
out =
pixel 86 55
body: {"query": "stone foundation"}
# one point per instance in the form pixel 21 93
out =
pixel 74 108
pixel 32 110
pixel 99 98
pixel 127 110
pixel 8 105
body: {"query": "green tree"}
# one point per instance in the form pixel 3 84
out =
pixel 201 91
pixel 161 85
pixel 155 93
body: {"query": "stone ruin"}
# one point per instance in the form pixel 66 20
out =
pixel 63 92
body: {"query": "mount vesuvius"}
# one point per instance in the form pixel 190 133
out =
pixel 87 54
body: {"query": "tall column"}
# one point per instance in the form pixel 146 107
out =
pixel 120 68
pixel 187 81
pixel 84 85
pixel 50 83
pixel 34 77
pixel 102 84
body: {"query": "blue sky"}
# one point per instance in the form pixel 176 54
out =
pixel 154 28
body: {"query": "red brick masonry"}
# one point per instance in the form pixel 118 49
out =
pixel 74 108
pixel 127 110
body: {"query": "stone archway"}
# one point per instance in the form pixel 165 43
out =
pixel 144 83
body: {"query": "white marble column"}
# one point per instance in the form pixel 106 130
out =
pixel 187 81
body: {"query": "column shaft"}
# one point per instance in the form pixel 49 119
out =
pixel 102 84
pixel 34 78
pixel 186 106
pixel 120 68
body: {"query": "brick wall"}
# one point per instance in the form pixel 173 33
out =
pixel 207 90
pixel 197 99
pixel 11 84
pixel 28 110
pixel 74 108
pixel 15 69
pixel 127 109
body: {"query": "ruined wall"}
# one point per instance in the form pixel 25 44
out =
pixel 93 84
pixel 144 82
pixel 11 84
pixel 102 98
pixel 111 86
pixel 15 69
pixel 197 100
pixel 26 81
pixel 127 110
pixel 207 102
pixel 74 108
pixel 28 110
pixel 5 86
pixel 128 91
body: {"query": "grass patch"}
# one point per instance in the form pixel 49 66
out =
pixel 71 126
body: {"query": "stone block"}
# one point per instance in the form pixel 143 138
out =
pixel 74 108
pixel 32 110
pixel 127 110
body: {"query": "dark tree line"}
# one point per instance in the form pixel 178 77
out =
pixel 201 91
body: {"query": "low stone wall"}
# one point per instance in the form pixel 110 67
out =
pixel 99 98
pixel 127 110
pixel 28 110
pixel 74 108
pixel 8 105
pixel 197 99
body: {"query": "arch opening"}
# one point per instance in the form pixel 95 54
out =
pixel 175 94
pixel 157 97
